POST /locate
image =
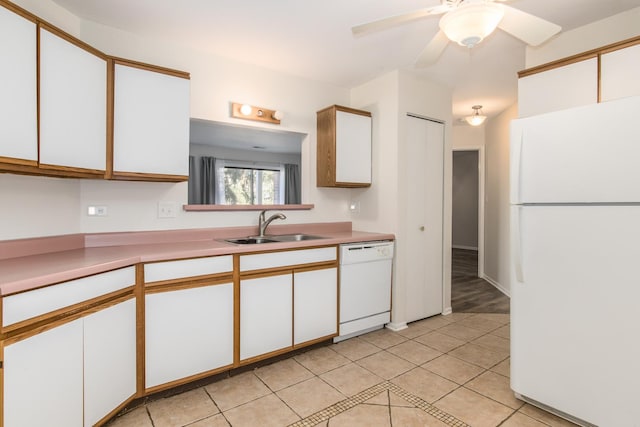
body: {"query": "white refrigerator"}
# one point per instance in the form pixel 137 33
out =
pixel 575 268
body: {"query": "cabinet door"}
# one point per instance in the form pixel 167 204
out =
pixel 558 89
pixel 353 148
pixel 619 73
pixel 315 304
pixel 151 122
pixel 18 102
pixel 73 105
pixel 43 379
pixel 109 360
pixel 265 315
pixel 188 332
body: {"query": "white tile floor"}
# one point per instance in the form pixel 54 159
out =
pixel 443 371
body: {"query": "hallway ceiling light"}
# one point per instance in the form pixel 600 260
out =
pixel 477 118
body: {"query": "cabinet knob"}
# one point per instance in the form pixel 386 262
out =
pixel 422 228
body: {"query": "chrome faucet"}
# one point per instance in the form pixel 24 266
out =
pixel 263 224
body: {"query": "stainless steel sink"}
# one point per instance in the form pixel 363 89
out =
pixel 295 237
pixel 250 240
pixel 255 240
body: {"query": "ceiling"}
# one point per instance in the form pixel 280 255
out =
pixel 240 137
pixel 313 39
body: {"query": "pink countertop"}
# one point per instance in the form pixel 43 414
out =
pixel 28 264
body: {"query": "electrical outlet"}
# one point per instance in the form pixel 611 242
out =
pixel 97 210
pixel 167 209
pixel 354 206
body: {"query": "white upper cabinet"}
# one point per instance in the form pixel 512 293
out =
pixel 73 104
pixel 151 124
pixel 18 102
pixel 344 147
pixel 560 88
pixel 619 73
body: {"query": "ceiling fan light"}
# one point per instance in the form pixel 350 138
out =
pixel 470 23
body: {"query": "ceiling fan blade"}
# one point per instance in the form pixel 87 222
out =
pixel 526 27
pixel 433 50
pixel 383 24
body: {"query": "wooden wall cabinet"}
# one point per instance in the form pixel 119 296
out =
pixel 18 86
pixel 189 320
pixel 344 147
pixel 73 104
pixel 151 123
pixel 81 366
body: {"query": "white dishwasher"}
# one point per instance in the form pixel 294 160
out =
pixel 365 287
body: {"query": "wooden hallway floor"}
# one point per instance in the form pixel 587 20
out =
pixel 470 293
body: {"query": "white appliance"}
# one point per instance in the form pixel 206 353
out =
pixel 575 245
pixel 365 287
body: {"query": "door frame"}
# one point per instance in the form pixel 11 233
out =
pixel 481 199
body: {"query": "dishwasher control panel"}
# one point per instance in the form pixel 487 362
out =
pixel 352 253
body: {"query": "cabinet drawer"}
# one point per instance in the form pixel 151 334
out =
pixel 285 258
pixel 171 270
pixel 19 307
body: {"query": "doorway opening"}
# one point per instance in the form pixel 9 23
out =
pixel 469 291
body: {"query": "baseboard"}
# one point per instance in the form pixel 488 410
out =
pixel 469 248
pixel 446 311
pixel 497 285
pixel 396 326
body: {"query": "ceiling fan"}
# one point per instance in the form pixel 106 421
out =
pixel 468 22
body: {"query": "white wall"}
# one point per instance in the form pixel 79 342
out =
pixel 497 258
pixel 597 34
pixel 389 98
pixel 467 137
pixel 215 82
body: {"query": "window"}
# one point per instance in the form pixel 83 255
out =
pixel 241 183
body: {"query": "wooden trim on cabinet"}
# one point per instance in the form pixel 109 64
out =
pixel 140 328
pixel 314 341
pixel 69 170
pixel 593 53
pixel 236 310
pixel 188 379
pixel 150 67
pixel 17 162
pixel 141 176
pixel 266 272
pixel 326 147
pixel 105 420
pixel 19 11
pixel 254 359
pixel 346 110
pixel 28 328
pixel 180 284
pixel 110 118
pixel 71 39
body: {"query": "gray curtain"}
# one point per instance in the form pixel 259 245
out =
pixel 194 182
pixel 292 185
pixel 207 180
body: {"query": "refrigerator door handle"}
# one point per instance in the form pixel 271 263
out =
pixel 516 161
pixel 517 244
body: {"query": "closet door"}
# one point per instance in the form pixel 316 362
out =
pixel 424 218
pixel 73 104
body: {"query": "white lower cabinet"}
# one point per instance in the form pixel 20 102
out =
pixel 188 332
pixel 265 314
pixel 109 360
pixel 315 302
pixel 43 378
pixel 87 366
